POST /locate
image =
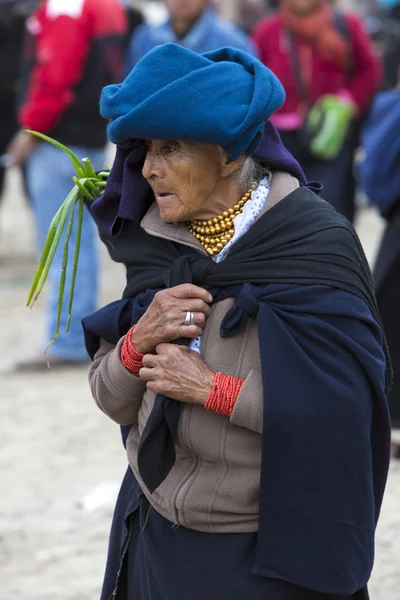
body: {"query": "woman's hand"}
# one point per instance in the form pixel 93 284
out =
pixel 164 319
pixel 179 373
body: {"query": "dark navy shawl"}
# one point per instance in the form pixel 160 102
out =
pixel 326 429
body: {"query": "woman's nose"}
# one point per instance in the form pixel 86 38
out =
pixel 152 165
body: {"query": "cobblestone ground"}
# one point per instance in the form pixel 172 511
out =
pixel 57 448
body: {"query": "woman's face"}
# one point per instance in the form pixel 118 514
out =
pixel 187 179
pixel 303 7
pixel 186 9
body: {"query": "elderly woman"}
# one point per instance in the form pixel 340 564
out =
pixel 245 362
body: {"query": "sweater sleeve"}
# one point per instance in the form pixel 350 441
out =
pixel 116 391
pixel 248 408
pixel 367 65
pixel 61 54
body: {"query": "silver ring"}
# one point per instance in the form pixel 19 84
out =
pixel 190 319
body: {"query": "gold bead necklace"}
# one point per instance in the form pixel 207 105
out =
pixel 215 233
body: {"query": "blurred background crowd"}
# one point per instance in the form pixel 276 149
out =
pixel 339 62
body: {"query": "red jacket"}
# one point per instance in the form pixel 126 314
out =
pixel 323 77
pixel 74 49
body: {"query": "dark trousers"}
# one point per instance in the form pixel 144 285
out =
pixel 387 280
pixel 336 176
pixel 8 128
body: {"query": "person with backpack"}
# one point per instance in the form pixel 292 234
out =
pixel 379 177
pixel 331 72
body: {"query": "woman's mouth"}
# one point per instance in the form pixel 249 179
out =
pixel 163 195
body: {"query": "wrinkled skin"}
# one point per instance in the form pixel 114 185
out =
pixel 179 373
pixel 190 180
pixel 169 369
pixel 164 319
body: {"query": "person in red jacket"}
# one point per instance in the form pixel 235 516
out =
pixel 330 71
pixel 74 48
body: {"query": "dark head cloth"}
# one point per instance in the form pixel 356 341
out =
pixel 223 97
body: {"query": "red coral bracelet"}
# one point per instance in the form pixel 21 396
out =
pixel 130 357
pixel 224 394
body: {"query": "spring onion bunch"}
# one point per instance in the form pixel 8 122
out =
pixel 89 185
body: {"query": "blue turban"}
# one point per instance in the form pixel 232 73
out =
pixel 223 97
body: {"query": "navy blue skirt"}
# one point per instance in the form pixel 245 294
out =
pixel 151 559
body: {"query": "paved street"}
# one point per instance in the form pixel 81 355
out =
pixel 57 448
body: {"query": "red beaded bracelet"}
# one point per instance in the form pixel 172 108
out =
pixel 130 357
pixel 224 394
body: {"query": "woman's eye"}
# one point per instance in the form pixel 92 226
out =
pixel 169 149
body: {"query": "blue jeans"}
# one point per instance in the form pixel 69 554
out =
pixel 49 178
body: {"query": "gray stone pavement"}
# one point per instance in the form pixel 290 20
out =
pixel 57 448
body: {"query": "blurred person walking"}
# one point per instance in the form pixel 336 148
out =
pixel 193 24
pixel 134 18
pixel 74 48
pixel 330 71
pixel 391 52
pixel 379 175
pixel 12 28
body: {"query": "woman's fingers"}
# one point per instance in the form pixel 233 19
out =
pixel 188 331
pixel 188 290
pixel 196 306
pixel 146 374
pixel 164 320
pixel 149 361
pixel 199 319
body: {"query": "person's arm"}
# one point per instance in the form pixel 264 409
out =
pixel 113 376
pixel 60 61
pixel 116 391
pixel 367 65
pixel 183 375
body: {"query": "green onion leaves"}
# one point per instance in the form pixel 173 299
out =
pixel 89 185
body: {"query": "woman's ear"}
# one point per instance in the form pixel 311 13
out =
pixel 228 166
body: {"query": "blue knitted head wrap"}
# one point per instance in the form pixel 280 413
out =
pixel 223 97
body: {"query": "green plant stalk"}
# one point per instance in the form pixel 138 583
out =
pixel 71 199
pixel 80 170
pixel 45 252
pixel 89 168
pixel 76 261
pixel 93 187
pixel 80 183
pixel 64 270
pixel 88 184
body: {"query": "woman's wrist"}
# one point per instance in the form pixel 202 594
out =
pixel 137 343
pixel 223 395
pixel 204 391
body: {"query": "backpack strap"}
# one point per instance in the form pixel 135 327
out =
pixel 298 74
